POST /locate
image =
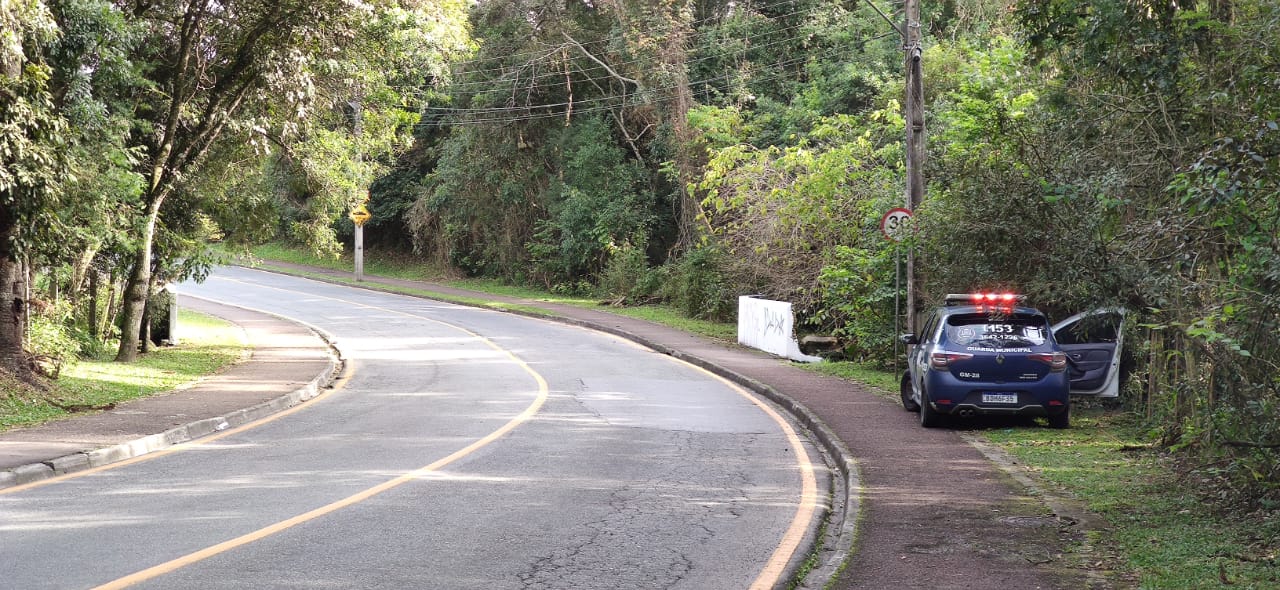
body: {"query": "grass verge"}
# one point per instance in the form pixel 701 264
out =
pixel 1163 534
pixel 881 382
pixel 208 345
pixel 375 262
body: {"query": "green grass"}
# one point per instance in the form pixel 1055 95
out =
pixel 208 344
pixel 881 381
pixel 377 263
pixel 1163 534
pixel 672 317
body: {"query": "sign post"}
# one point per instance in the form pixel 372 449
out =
pixel 893 225
pixel 359 216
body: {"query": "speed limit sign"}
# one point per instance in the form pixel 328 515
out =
pixel 894 224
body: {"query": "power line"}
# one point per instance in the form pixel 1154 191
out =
pixel 693 23
pixel 488 110
pixel 614 102
pixel 463 86
pixel 553 49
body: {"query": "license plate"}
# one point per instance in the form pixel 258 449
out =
pixel 999 398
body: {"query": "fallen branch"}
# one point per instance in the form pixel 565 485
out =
pixel 76 408
pixel 1250 445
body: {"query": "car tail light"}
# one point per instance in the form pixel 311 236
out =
pixel 942 360
pixel 1057 361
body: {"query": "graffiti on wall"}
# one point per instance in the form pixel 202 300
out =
pixel 769 326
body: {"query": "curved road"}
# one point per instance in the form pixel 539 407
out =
pixel 464 449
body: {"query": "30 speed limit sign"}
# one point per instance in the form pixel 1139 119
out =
pixel 894 224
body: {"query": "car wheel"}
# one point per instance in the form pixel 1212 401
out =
pixel 904 390
pixel 1062 420
pixel 929 417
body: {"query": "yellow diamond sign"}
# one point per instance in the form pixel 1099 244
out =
pixel 360 214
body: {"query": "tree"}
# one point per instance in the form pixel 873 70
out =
pixel 31 159
pixel 94 81
pixel 368 96
pixel 208 63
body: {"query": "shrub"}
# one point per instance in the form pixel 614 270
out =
pixel 698 286
pixel 51 340
pixel 628 278
pixel 856 302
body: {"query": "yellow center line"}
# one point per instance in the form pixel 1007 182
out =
pixel 206 553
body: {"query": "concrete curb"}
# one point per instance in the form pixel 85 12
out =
pixel 91 459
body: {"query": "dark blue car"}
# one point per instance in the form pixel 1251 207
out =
pixel 988 353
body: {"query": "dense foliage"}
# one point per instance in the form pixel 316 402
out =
pixel 1087 153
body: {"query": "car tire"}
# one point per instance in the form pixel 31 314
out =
pixel 929 417
pixel 904 390
pixel 1062 420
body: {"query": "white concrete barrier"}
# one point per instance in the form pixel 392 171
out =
pixel 769 326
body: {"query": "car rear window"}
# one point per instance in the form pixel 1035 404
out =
pixel 997 332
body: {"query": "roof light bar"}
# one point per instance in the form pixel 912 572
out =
pixel 1005 299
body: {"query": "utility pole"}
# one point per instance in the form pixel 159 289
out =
pixel 915 141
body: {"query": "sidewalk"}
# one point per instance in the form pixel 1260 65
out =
pixel 289 364
pixel 922 507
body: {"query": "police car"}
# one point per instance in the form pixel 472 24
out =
pixel 988 353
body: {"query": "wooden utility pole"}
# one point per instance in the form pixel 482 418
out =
pixel 915 141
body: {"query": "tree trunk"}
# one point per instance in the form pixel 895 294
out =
pixel 144 331
pixel 148 313
pixel 135 291
pixel 13 301
pixel 109 317
pixel 80 270
pixel 690 157
pixel 94 279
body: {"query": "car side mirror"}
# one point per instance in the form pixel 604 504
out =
pixel 909 339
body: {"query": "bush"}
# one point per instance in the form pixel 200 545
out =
pixel 52 341
pixel 628 277
pixel 698 286
pixel 856 303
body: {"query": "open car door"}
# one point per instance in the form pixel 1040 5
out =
pixel 1092 341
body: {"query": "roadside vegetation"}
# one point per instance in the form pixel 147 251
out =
pixel 1167 528
pixel 96 383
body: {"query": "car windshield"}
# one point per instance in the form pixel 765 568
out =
pixel 997 332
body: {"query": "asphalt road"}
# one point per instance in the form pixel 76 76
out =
pixel 464 449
